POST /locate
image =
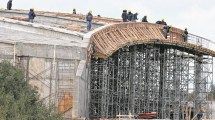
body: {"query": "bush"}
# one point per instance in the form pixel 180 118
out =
pixel 18 101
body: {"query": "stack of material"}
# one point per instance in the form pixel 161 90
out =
pixel 65 104
pixel 151 115
pixel 20 19
pixel 73 27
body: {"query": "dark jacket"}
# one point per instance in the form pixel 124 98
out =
pixel 89 17
pixel 9 4
pixel 124 16
pixel 200 115
pixel 31 14
pixel 158 22
pixel 167 28
pixel 163 23
pixel 185 32
pixel 74 11
pixel 144 19
pixel 185 35
pixel 130 16
pixel 135 16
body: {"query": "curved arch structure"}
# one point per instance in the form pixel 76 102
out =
pixel 110 39
pixel 135 69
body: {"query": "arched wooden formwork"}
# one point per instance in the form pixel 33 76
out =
pixel 109 39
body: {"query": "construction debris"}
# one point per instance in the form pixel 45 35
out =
pixel 73 27
pixel 20 19
pixel 151 115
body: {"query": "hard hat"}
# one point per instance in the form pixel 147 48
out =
pixel 137 13
pixel 90 11
pixel 129 10
pixel 74 9
pixel 162 19
pixel 170 26
pixel 32 9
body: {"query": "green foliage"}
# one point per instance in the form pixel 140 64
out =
pixel 18 101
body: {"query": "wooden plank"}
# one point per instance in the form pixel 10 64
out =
pixel 112 38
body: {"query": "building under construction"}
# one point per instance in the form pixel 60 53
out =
pixel 115 69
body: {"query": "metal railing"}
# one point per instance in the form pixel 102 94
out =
pixel 200 41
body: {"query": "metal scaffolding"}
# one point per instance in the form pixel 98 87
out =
pixel 150 77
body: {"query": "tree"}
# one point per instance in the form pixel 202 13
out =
pixel 18 100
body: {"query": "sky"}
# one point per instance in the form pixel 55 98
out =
pixel 196 15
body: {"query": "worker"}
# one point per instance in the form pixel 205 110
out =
pixel 130 15
pixel 200 115
pixel 31 15
pixel 74 11
pixel 171 114
pixel 158 22
pixel 134 18
pixel 124 15
pixel 144 19
pixel 185 35
pixel 163 22
pixel 192 113
pixel 9 4
pixel 89 18
pixel 166 29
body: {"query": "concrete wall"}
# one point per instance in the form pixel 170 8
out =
pixel 54 68
pixel 49 51
pixel 7 52
pixel 41 29
pixel 48 19
pixel 55 76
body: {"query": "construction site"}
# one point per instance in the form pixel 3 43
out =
pixel 116 70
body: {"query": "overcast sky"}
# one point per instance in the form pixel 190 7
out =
pixel 197 15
